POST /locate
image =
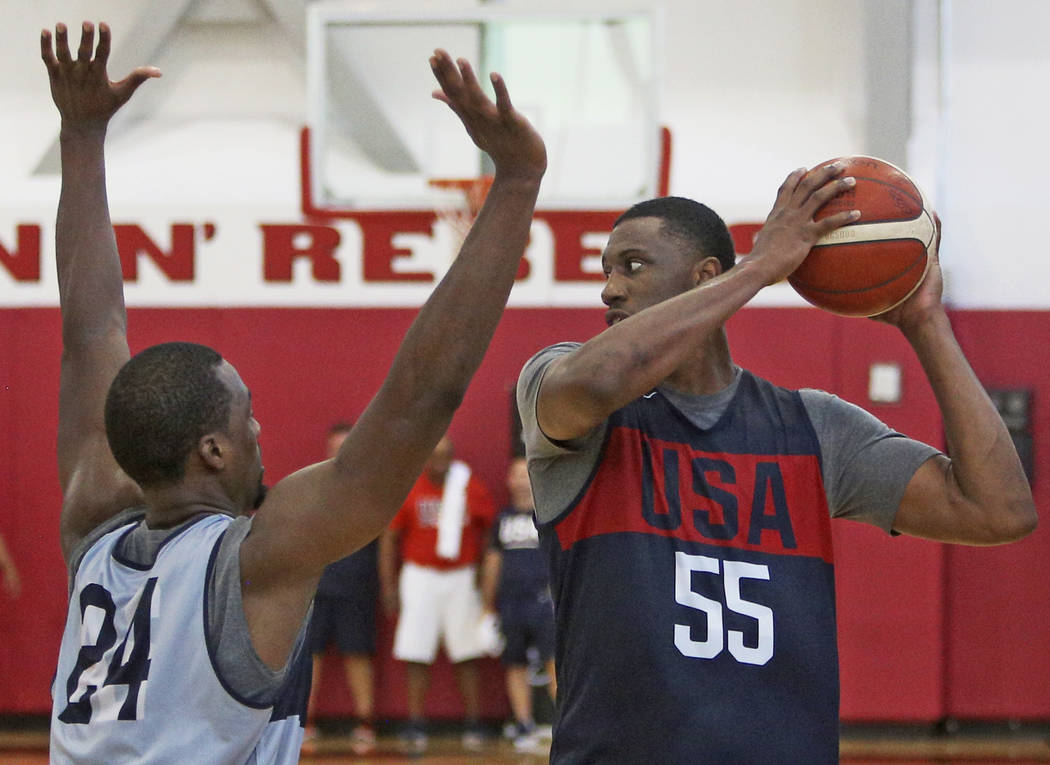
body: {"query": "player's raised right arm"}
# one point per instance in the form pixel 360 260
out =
pixel 581 389
pixel 326 511
pixel 94 343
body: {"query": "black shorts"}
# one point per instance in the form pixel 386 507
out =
pixel 350 623
pixel 527 621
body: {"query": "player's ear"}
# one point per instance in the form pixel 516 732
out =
pixel 704 269
pixel 211 448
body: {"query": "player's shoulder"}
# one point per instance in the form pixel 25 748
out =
pixel 125 517
pixel 821 402
pixel 546 355
pixel 533 370
pixel 835 418
pixel 565 346
pixel 93 499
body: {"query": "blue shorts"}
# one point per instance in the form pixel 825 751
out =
pixel 350 623
pixel 527 621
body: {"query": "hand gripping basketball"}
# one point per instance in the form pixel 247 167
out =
pixel 791 229
pixel 873 264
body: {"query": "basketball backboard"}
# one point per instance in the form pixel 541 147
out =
pixel 587 80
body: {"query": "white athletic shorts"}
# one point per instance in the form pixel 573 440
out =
pixel 435 605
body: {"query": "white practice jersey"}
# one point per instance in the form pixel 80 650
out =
pixel 136 678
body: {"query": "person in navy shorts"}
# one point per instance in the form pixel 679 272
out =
pixel 514 581
pixel 345 615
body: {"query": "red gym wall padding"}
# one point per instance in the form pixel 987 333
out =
pixel 926 630
pixel 997 612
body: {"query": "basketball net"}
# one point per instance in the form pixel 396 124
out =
pixel 462 209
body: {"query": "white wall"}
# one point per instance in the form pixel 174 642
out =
pixel 751 90
pixel 994 176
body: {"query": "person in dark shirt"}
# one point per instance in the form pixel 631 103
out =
pixel 684 504
pixel 514 578
pixel 9 571
pixel 345 614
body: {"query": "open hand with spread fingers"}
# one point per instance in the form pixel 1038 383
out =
pixel 497 128
pixel 80 87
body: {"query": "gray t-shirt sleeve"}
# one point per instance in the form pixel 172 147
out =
pixel 236 661
pixel 537 444
pixel 559 469
pixel 866 464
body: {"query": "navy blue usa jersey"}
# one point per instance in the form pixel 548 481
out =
pixel 694 592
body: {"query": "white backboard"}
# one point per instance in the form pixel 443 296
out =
pixel 587 80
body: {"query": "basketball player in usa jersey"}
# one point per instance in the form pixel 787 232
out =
pixel 183 641
pixel 684 503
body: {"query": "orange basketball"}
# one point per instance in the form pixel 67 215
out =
pixel 875 263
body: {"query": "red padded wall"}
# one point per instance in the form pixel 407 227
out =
pixel 925 630
pixel 885 587
pixel 998 601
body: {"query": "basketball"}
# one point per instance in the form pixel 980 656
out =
pixel 872 265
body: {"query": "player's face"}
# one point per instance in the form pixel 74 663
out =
pixel 244 466
pixel 518 483
pixel 335 441
pixel 440 459
pixel 643 266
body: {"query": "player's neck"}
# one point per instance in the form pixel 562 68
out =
pixel 708 371
pixel 170 505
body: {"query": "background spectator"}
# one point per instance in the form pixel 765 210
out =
pixel 345 615
pixel 439 536
pixel 514 578
pixel 12 581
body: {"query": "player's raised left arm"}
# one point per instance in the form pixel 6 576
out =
pixel 94 342
pixel 980 496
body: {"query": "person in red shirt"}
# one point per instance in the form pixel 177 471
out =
pixel 439 535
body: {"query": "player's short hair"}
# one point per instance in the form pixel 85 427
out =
pixel 160 404
pixel 695 224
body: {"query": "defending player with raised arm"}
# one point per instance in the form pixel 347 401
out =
pixel 684 503
pixel 170 435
